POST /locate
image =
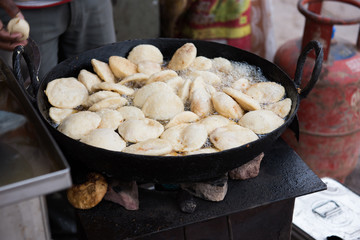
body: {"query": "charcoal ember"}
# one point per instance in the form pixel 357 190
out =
pixel 211 190
pixel 248 170
pixel 186 202
pixel 124 193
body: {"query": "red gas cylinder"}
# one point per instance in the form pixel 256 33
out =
pixel 329 118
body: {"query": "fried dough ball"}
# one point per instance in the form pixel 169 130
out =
pixel 222 64
pixel 148 67
pixel 184 90
pixel 111 103
pixel 153 147
pixel 19 25
pixel 173 135
pixel 226 106
pixel 202 151
pixel 245 101
pixel 261 121
pixel 162 105
pixel 135 79
pixel 138 130
pixel 266 92
pixel 145 52
pixel 79 124
pixel 110 118
pixel 162 76
pixel 143 93
pixel 186 137
pixel 88 194
pixel 116 87
pixel 281 108
pixel 201 102
pixel 201 63
pixel 241 84
pixel 66 92
pixel 183 117
pixel 215 121
pixel 193 137
pixel 98 96
pixel 200 98
pixel 103 70
pixel 231 136
pixel 183 57
pixel 208 77
pixel 59 114
pixel 131 112
pixel 175 83
pixel 105 138
pixel 89 79
pixel 121 67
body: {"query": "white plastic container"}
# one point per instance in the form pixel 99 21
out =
pixel 330 214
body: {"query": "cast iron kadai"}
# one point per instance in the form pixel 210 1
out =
pixel 167 169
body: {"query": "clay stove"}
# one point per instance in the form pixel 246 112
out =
pixel 257 208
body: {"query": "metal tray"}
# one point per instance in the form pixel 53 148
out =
pixel 31 163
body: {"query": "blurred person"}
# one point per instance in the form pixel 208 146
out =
pixel 61 28
pixel 226 22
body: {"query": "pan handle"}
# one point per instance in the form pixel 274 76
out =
pixel 33 87
pixel 316 70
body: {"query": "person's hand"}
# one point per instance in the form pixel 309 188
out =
pixel 10 41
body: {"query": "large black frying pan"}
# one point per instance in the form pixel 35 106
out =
pixel 167 169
